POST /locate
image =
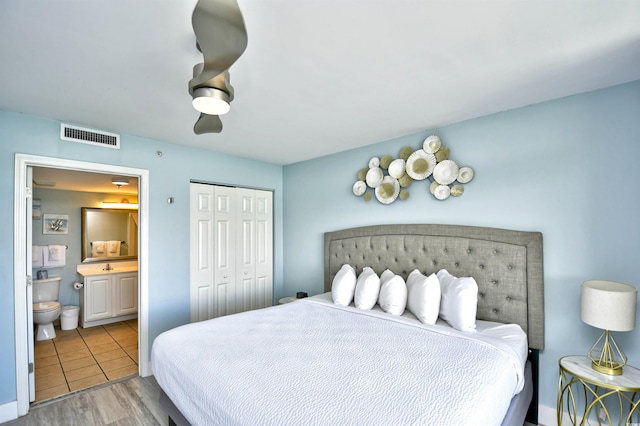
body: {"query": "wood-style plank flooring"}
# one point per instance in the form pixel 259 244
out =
pixel 130 402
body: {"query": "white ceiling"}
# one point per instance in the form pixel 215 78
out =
pixel 72 180
pixel 318 77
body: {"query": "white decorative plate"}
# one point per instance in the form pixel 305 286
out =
pixel 396 168
pixel 374 162
pixel 431 144
pixel 374 177
pixel 388 191
pixel 442 192
pixel 420 164
pixel 359 188
pixel 465 174
pixel 445 172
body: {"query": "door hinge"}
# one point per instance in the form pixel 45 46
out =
pixel 28 192
pixel 30 367
pixel 29 280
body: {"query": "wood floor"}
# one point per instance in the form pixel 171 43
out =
pixel 129 402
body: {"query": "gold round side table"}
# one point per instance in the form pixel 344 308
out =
pixel 578 378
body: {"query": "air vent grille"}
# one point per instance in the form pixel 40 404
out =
pixel 89 136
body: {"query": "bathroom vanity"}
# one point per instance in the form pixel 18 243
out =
pixel 109 293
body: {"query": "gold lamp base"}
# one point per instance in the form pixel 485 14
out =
pixel 606 356
pixel 612 369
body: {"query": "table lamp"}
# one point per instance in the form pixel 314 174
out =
pixel 610 306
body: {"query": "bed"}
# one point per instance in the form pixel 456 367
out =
pixel 314 362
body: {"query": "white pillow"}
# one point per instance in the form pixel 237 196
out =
pixel 386 276
pixel 344 285
pixel 367 289
pixel 423 296
pixel 393 293
pixel 459 301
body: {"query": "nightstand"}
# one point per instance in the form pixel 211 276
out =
pixel 578 381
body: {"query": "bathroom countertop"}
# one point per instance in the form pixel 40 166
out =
pixel 115 270
pixel 98 268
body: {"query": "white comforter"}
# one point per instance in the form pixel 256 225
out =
pixel 314 363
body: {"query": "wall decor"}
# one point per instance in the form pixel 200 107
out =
pixel 55 224
pixel 430 163
pixel 36 209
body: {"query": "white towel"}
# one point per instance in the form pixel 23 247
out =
pixel 113 248
pixel 54 256
pixel 36 256
pixel 56 252
pixel 97 249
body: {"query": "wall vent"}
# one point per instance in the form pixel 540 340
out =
pixel 89 136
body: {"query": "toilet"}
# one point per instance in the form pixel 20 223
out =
pixel 46 308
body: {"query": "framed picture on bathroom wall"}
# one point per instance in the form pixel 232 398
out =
pixel 55 223
pixel 36 209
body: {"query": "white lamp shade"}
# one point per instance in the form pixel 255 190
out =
pixel 609 305
pixel 209 100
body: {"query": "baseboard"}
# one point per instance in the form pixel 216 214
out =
pixel 547 417
pixel 8 411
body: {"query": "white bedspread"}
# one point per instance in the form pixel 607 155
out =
pixel 314 363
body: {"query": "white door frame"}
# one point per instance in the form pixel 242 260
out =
pixel 22 161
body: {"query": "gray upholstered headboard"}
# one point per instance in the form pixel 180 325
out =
pixel 506 264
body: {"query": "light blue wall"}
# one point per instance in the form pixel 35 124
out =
pixel 169 176
pixel 568 168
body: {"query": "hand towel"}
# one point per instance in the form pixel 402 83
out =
pixel 97 249
pixel 60 256
pixel 113 248
pixel 55 252
pixel 36 257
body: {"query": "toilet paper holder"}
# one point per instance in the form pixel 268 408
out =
pixel 78 285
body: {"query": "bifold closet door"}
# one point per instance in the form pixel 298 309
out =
pixel 231 234
pixel 254 242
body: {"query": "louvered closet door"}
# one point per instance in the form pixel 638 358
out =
pixel 231 250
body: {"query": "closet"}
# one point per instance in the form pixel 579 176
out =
pixel 231 250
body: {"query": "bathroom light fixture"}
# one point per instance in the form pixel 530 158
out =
pixel 119 181
pixel 211 101
pixel 109 205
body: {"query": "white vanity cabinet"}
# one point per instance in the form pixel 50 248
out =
pixel 108 297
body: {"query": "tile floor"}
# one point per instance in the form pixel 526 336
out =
pixel 85 357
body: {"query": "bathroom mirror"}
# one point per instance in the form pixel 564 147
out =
pixel 109 234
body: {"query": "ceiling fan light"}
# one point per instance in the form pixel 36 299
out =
pixel 211 101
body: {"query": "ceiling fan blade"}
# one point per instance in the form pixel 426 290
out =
pixel 207 124
pixel 221 37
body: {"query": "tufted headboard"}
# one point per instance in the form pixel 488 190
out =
pixel 506 264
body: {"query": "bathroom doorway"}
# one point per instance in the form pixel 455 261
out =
pixel 96 208
pixel 22 247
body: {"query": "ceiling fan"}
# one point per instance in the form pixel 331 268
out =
pixel 222 38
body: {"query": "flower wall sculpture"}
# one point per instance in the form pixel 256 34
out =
pixel 430 163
